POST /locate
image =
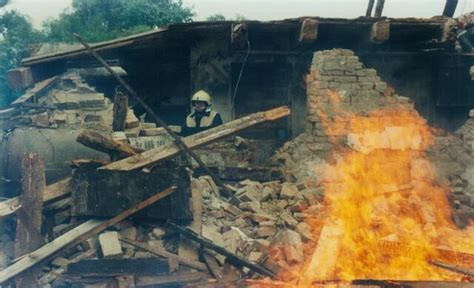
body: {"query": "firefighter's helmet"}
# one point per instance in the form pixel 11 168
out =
pixel 202 95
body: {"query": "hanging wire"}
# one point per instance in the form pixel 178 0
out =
pixel 239 78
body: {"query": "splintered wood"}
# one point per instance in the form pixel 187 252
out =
pixel 195 141
pixel 324 259
pixel 52 192
pixel 28 237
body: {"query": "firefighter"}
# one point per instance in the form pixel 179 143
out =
pixel 202 116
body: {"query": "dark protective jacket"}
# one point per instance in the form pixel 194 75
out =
pixel 198 122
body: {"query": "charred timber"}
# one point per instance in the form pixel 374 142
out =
pixel 237 260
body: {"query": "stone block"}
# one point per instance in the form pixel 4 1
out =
pixel 293 247
pixel 251 207
pixel 265 231
pixel 90 100
pixel 305 231
pixel 309 30
pixel 153 132
pixel 288 191
pixel 41 120
pixel 110 245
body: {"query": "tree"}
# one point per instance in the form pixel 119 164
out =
pixel 16 37
pixel 100 20
pixel 216 18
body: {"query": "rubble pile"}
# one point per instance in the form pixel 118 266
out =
pixel 276 225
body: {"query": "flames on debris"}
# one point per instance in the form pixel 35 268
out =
pixel 385 217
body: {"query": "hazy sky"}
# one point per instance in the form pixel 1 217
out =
pixel 39 10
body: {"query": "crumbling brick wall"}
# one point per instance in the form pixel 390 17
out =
pixel 360 89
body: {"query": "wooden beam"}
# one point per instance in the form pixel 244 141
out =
pixel 117 267
pixel 309 30
pixel 370 7
pixel 74 237
pixel 195 141
pixel 450 8
pixel 96 141
pixel 178 279
pixel 235 259
pixel 35 91
pixel 379 8
pixel 163 253
pixel 20 78
pixel 380 31
pixel 187 248
pixel 454 268
pixel 120 111
pixel 51 192
pixel 28 237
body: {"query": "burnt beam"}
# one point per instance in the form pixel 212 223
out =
pixel 450 8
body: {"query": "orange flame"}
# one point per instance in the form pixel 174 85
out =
pixel 386 215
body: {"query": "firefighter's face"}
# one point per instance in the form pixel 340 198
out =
pixel 200 106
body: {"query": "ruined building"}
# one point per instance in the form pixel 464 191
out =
pixel 372 159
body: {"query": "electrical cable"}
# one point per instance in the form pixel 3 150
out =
pixel 239 78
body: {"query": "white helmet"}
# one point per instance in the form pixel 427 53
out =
pixel 202 95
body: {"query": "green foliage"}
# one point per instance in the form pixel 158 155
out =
pixel 216 18
pixel 16 36
pixel 101 20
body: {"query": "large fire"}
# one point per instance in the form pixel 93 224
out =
pixel 385 215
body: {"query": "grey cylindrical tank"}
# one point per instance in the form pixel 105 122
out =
pixel 57 146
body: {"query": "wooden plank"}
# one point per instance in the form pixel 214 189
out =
pixel 120 111
pixel 74 237
pixel 20 78
pixel 187 248
pixel 211 264
pixel 163 253
pixel 195 141
pixel 172 280
pixel 370 7
pixel 52 192
pixel 379 8
pixel 29 221
pixel 450 8
pixel 235 259
pixel 324 259
pixel 96 141
pixel 40 87
pixel 116 267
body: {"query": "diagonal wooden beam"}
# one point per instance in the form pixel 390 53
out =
pixel 156 155
pixel 74 237
pixel 53 191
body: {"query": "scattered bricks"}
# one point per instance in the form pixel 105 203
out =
pixel 233 239
pixel 255 256
pixel 288 191
pixel 381 86
pixel 305 231
pixel 110 245
pixel 231 209
pixel 299 216
pixel 259 218
pixel 41 120
pixel 59 118
pixel 314 195
pixel 293 247
pixel 119 136
pixel 288 220
pixel 248 193
pixel 251 207
pixel 90 100
pixel 261 245
pixel 131 121
pixel 157 244
pixel 298 207
pixel 265 231
pixel 92 118
pixel 282 204
pixel 266 223
pixel 147 125
pixel 267 193
pixel 153 132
